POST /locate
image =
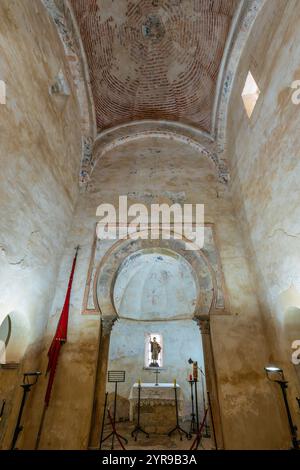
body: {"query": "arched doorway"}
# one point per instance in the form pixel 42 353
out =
pixel 110 283
pixel 155 294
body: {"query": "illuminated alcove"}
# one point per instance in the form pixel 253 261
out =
pixel 155 294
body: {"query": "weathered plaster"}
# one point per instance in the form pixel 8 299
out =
pixel 237 343
pixel 40 158
pixel 126 352
pixel 264 154
pixel 67 29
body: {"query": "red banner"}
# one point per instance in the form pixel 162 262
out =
pixel 60 336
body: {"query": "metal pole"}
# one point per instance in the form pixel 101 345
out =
pixel 115 413
pixel 204 403
pixel 2 409
pixel 139 405
pixel 138 427
pixel 18 428
pixel 103 420
pixel 177 427
pixel 293 428
pixel 192 429
pixel 196 400
pixel 176 406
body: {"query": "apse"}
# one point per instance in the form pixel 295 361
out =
pixel 155 286
pixel 155 293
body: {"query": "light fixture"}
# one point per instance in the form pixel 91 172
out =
pixel 273 369
pixel 275 374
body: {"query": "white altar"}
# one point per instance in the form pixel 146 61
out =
pixel 154 397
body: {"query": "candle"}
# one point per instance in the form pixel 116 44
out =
pixel 191 377
pixel 139 382
pixel 174 382
pixel 195 371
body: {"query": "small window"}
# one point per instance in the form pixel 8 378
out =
pixel 2 92
pixel 153 350
pixel 5 333
pixel 250 94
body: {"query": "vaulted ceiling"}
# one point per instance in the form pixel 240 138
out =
pixel 154 59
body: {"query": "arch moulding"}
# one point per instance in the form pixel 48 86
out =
pixel 110 264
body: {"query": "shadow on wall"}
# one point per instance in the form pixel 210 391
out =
pixel 14 338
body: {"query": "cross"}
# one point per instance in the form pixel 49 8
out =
pixel 156 377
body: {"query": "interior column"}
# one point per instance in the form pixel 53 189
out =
pixel 211 383
pixel 100 382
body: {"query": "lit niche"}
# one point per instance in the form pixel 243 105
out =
pixel 153 350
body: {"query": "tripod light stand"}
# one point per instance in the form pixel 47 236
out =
pixel 275 374
pixel 195 364
pixel 28 382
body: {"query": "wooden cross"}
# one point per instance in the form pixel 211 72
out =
pixel 156 377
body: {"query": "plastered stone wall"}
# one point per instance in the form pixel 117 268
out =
pixel 181 340
pixel 265 169
pixel 149 287
pixel 40 158
pixel 161 170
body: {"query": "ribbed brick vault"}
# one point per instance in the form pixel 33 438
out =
pixel 154 59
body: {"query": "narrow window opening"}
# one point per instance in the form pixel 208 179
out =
pixel 250 94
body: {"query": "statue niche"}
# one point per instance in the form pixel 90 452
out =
pixel 155 352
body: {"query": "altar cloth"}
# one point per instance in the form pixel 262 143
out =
pixel 153 395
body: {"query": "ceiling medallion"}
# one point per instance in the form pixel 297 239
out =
pixel 153 28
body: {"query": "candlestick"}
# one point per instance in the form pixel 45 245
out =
pixel 195 371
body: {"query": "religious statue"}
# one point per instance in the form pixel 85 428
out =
pixel 155 351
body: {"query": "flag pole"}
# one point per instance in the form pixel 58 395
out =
pixel 37 442
pixel 59 339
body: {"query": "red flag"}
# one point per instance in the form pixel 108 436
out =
pixel 60 336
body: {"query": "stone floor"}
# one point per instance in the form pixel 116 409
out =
pixel 154 442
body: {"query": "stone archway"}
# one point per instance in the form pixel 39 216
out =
pixel 104 282
pixel 108 268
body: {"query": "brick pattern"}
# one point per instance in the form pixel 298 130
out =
pixel 154 59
